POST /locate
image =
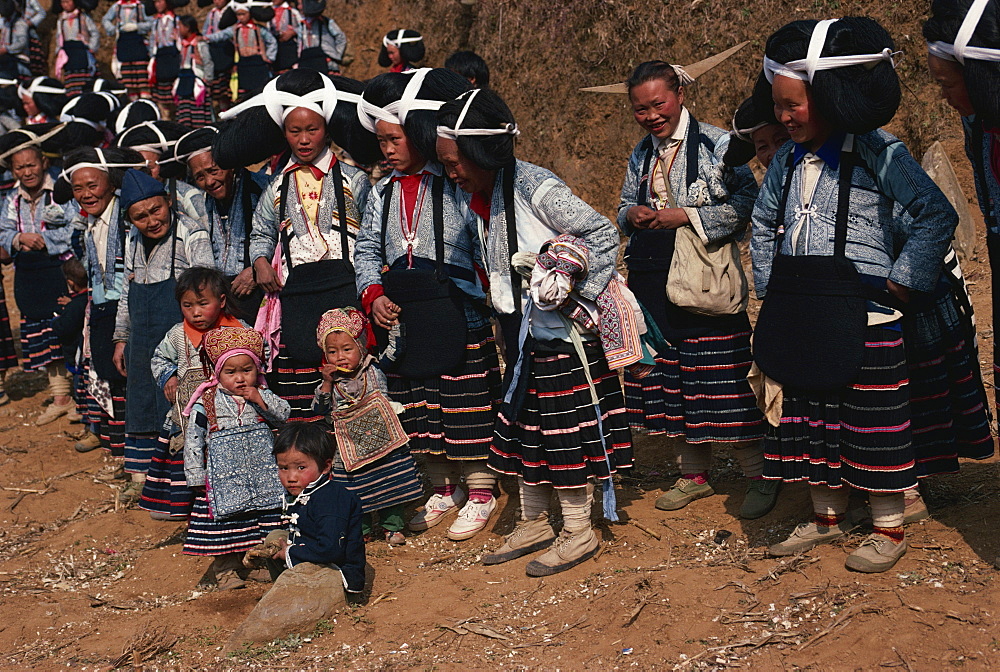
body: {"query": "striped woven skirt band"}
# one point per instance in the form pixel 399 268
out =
pixel 207 536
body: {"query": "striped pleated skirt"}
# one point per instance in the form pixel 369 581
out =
pixel 221 86
pixel 295 382
pixel 453 415
pixel 135 77
pixel 948 403
pixel 162 93
pixel 39 344
pixel 190 113
pixel 556 435
pixel 37 60
pixel 166 490
pixel 8 352
pixel 207 536
pixel 392 480
pixel 859 435
pixel 76 82
pixel 698 391
pixel 139 449
pixel 112 426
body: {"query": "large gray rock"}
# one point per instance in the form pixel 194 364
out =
pixel 938 166
pixel 299 599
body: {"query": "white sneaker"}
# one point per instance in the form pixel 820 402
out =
pixel 471 519
pixel 436 508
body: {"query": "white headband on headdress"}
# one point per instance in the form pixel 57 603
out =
pixel 184 157
pixel 279 104
pixel 103 86
pixel 32 141
pixel 399 40
pixel 247 5
pixel 455 133
pixel 961 49
pixel 160 147
pixel 9 82
pixel 746 134
pixel 66 115
pixel 101 164
pixel 805 68
pixel 123 115
pixel 396 111
pixel 36 86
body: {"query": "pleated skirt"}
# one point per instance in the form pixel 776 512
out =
pixel 557 436
pixel 76 82
pixel 190 113
pixel 221 86
pixel 166 490
pixel 8 352
pixel 207 536
pixel 859 435
pixel 162 93
pixel 39 344
pixel 112 426
pixel 139 449
pixel 698 391
pixel 392 480
pixel 295 382
pixel 135 77
pixel 453 415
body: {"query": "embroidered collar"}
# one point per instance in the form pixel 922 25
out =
pixel 430 167
pixel 829 152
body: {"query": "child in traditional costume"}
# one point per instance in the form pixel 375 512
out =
pixel 401 49
pixel 222 54
pixel 42 99
pixel 37 232
pixel 254 44
pixel 231 196
pixel 304 229
pixel 285 28
pixel 227 454
pixel 68 327
pixel 34 15
pixel 203 296
pixel 323 518
pixel 675 203
pixel 160 245
pixel 372 457
pixel 77 42
pixel 190 89
pixel 563 420
pixel 14 59
pixel 321 41
pixel 417 256
pixel 126 22
pixel 92 178
pixel 164 48
pixel 835 286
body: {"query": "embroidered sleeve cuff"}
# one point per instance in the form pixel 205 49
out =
pixel 696 224
pixel 368 297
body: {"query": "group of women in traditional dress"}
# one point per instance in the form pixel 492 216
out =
pixel 861 371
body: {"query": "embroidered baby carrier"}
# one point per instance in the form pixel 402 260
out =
pixel 241 475
pixel 810 334
pixel 368 429
pixel 432 309
pixel 313 288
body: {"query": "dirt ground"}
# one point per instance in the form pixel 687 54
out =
pixel 88 585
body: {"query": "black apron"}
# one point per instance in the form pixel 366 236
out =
pixel 314 288
pixel 253 73
pixel 185 84
pixel 810 334
pixel 102 344
pixel 77 56
pixel 432 309
pixel 222 54
pixel 314 58
pixel 168 64
pixel 288 54
pixel 39 281
pixel 152 310
pixel 131 48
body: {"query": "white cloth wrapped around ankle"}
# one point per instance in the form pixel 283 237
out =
pixel 575 504
pixel 535 499
pixel 887 509
pixel 829 501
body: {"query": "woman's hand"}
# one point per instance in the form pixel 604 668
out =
pixel 266 277
pixel 669 218
pixel 119 358
pixel 385 312
pixel 243 283
pixel 899 291
pixel 640 216
pixel 170 389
